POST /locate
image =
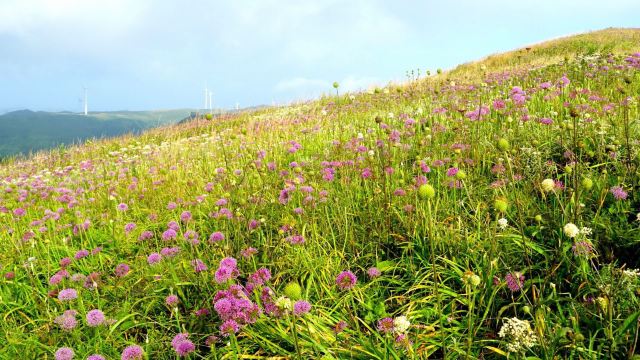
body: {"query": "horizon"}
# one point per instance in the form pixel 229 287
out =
pixel 130 59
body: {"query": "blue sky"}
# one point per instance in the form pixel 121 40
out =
pixel 144 54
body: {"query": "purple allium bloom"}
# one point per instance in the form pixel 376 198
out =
pixel 515 281
pixel 133 352
pixel 452 171
pixel 301 307
pixel 170 234
pixel 618 193
pixel 545 121
pixel 169 252
pixel 339 327
pixel 185 216
pixel 122 207
pixel 182 345
pixel 95 357
pixel 373 272
pixel 64 262
pixel 122 270
pixel 216 236
pixel 146 235
pixel 249 252
pixel 223 274
pixel 67 295
pixel 198 265
pixel 129 227
pixel 67 321
pixel 171 300
pixel 154 258
pixel 296 239
pixel 346 280
pixel 366 173
pixel 55 279
pixel 229 262
pixel 192 237
pixel 385 325
pixel 582 248
pixel 81 253
pixel 64 353
pixel 95 318
pixel 229 327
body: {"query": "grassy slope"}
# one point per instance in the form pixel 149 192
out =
pixel 428 250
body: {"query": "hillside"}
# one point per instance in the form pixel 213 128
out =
pixel 24 131
pixel 488 212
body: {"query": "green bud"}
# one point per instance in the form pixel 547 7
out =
pixel 501 205
pixel 426 191
pixel 461 175
pixel 503 144
pixel 209 116
pixel 293 290
pixel 587 183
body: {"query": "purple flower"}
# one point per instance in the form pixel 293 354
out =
pixel 182 345
pixel 301 307
pixel 582 248
pixel 385 325
pixel 95 357
pixel 515 281
pixel 618 193
pixel 67 321
pixel 452 171
pixel 171 300
pixel 169 252
pixel 373 272
pixel 122 207
pixel 216 236
pixel 81 253
pixel 67 295
pixel 95 318
pixel 122 270
pixel 170 234
pixel 64 353
pixel 198 265
pixel 185 216
pixel 346 280
pixel 154 258
pixel 229 327
pixel 133 352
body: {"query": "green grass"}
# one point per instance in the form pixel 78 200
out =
pixel 447 259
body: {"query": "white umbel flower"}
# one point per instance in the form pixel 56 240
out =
pixel 518 334
pixel 548 185
pixel 401 324
pixel 503 223
pixel 571 230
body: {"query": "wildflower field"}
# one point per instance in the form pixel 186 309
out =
pixel 488 212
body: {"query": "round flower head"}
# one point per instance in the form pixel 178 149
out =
pixel 373 272
pixel 122 270
pixel 401 324
pixel 133 352
pixel 154 258
pixel 182 345
pixel 95 318
pixel 548 185
pixel 95 357
pixel 67 295
pixel 346 280
pixel 172 300
pixel 64 353
pixel 385 325
pixel 301 307
pixel 571 230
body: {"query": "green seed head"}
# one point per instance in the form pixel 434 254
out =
pixel 293 290
pixel 426 191
pixel 587 183
pixel 503 144
pixel 461 175
pixel 501 205
pixel 209 116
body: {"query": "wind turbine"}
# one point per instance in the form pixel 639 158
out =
pixel 86 104
pixel 210 102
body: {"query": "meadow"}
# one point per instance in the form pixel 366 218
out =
pixel 487 212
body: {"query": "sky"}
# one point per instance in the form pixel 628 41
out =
pixel 160 54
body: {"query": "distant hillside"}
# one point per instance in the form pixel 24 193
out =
pixel 25 131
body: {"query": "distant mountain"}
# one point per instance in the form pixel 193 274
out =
pixel 25 131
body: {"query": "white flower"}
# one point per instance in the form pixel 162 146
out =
pixel 503 223
pixel 571 230
pixel 548 185
pixel 371 153
pixel 519 334
pixel 631 272
pixel 284 303
pixel 360 136
pixel 401 324
pixel 586 231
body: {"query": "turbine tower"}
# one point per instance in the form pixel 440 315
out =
pixel 210 102
pixel 86 104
